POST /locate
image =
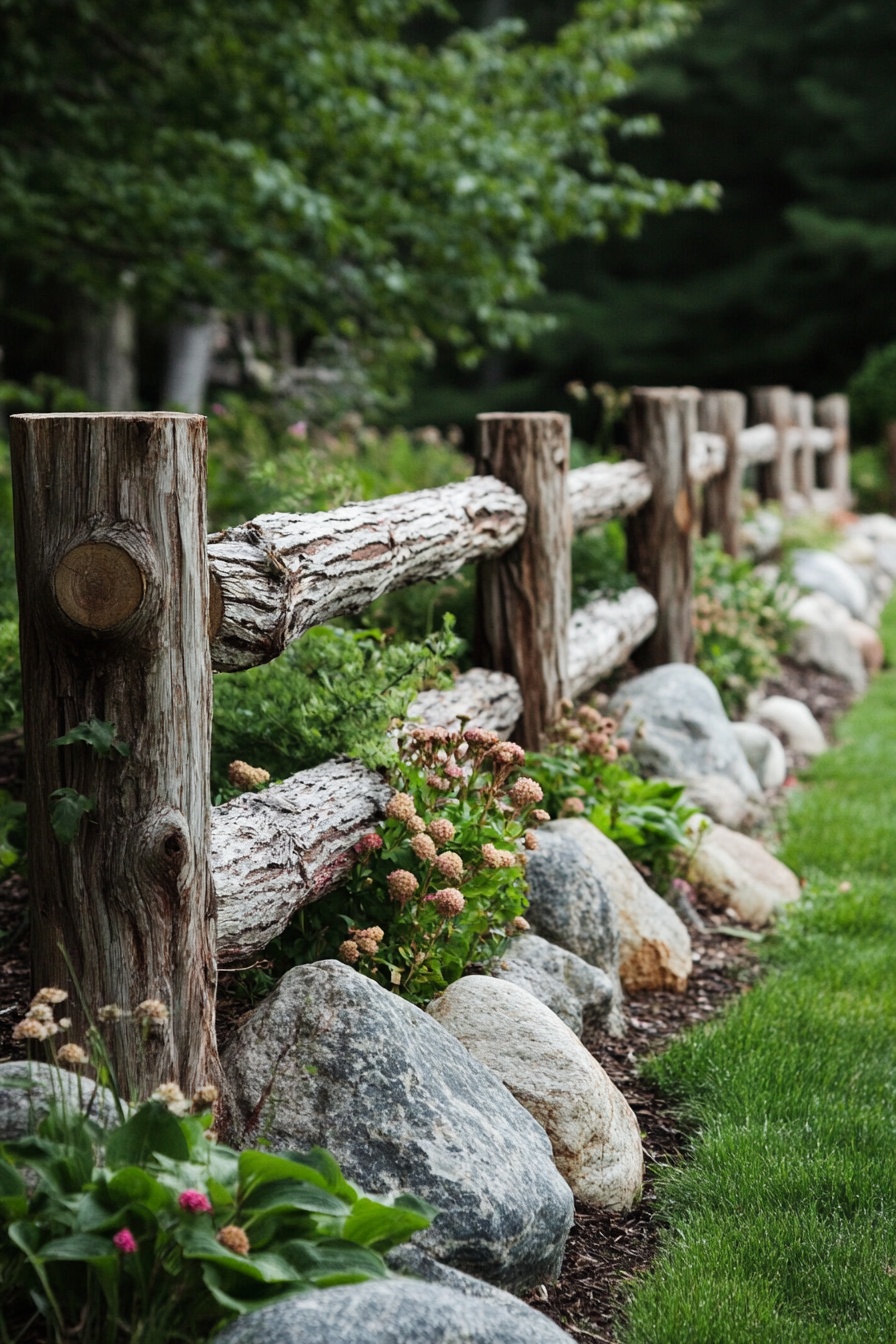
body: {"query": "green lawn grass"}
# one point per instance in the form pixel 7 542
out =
pixel 781 1222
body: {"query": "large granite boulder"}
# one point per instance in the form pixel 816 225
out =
pixel 654 945
pixel 565 983
pixel 593 1130
pixel 394 1311
pixel 28 1089
pixel 764 752
pixel 824 572
pixel 734 871
pixel 332 1059
pixel 823 639
pixel 677 726
pixel 569 905
pixel 794 723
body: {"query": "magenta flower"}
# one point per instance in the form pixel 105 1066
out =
pixel 125 1241
pixel 218 408
pixel 299 430
pixel 194 1201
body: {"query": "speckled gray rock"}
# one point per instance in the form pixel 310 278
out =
pixel 794 722
pixel 764 752
pixel 565 983
pixel 27 1089
pixel 394 1311
pixel 676 723
pixel 570 906
pixel 824 572
pixel 720 798
pixel 331 1058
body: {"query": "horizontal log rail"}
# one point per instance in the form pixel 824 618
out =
pixel 604 634
pixel 606 490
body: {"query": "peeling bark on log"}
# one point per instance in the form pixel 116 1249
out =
pixel 276 851
pixel 281 574
pixel 606 490
pixel 524 599
pixel 833 413
pixel 662 423
pixel 112 575
pixel 774 405
pixel 708 456
pixel 486 699
pixel 604 634
pixel 723 413
pixel 757 444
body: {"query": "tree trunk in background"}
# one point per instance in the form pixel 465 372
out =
pixel 190 345
pixel 113 588
pixel 101 357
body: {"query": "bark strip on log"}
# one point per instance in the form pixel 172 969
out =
pixel 662 423
pixel 833 413
pixel 276 851
pixel 723 414
pixel 281 574
pixel 757 444
pixel 774 405
pixel 604 634
pixel 113 589
pixel 708 456
pixel 485 699
pixel 606 490
pixel 524 599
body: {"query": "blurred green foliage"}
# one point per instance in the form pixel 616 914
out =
pixel 872 394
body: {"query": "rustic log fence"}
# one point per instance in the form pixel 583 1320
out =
pixel 125 610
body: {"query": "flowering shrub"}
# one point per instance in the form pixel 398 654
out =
pixel 442 882
pixel 587 772
pixel 741 624
pixel 150 1230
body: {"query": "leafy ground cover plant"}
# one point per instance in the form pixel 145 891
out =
pixel 741 624
pixel 150 1230
pixel 587 771
pixel 441 884
pixel 333 692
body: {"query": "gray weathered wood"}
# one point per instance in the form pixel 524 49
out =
pixel 833 415
pixel 804 457
pixel 281 574
pixel 662 423
pixel 524 598
pixel 723 413
pixel 606 490
pixel 113 592
pixel 485 699
pixel 757 444
pixel 604 634
pixel 708 456
pixel 774 405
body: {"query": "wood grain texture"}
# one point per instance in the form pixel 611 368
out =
pixel 662 422
pixel 524 599
pixel 604 634
pixel 606 490
pixel 804 455
pixel 281 574
pixel 774 406
pixel 723 414
pixel 485 699
pixel 833 415
pixel 130 898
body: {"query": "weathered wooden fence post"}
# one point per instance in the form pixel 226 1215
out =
pixel 833 413
pixel 724 413
pixel 113 588
pixel 524 598
pixel 662 422
pixel 774 405
pixel 803 414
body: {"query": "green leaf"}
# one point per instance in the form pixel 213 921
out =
pixel 96 733
pixel 283 1195
pixel 382 1226
pixel 82 1246
pixel 199 1243
pixel 316 1167
pixel 152 1129
pixel 67 807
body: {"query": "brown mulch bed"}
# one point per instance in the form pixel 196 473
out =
pixel 606 1251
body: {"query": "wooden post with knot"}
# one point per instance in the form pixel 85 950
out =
pixel 662 422
pixel 724 413
pixel 524 597
pixel 113 589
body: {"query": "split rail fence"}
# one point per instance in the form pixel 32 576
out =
pixel 127 608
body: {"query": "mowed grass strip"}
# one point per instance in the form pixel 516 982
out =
pixel 782 1219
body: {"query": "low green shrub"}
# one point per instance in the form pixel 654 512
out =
pixel 149 1229
pixel 587 771
pixel 441 884
pixel 872 393
pixel 599 563
pixel 741 624
pixel 869 480
pixel 333 692
pixel 10 677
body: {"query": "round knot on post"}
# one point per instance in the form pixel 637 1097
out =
pixel 98 585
